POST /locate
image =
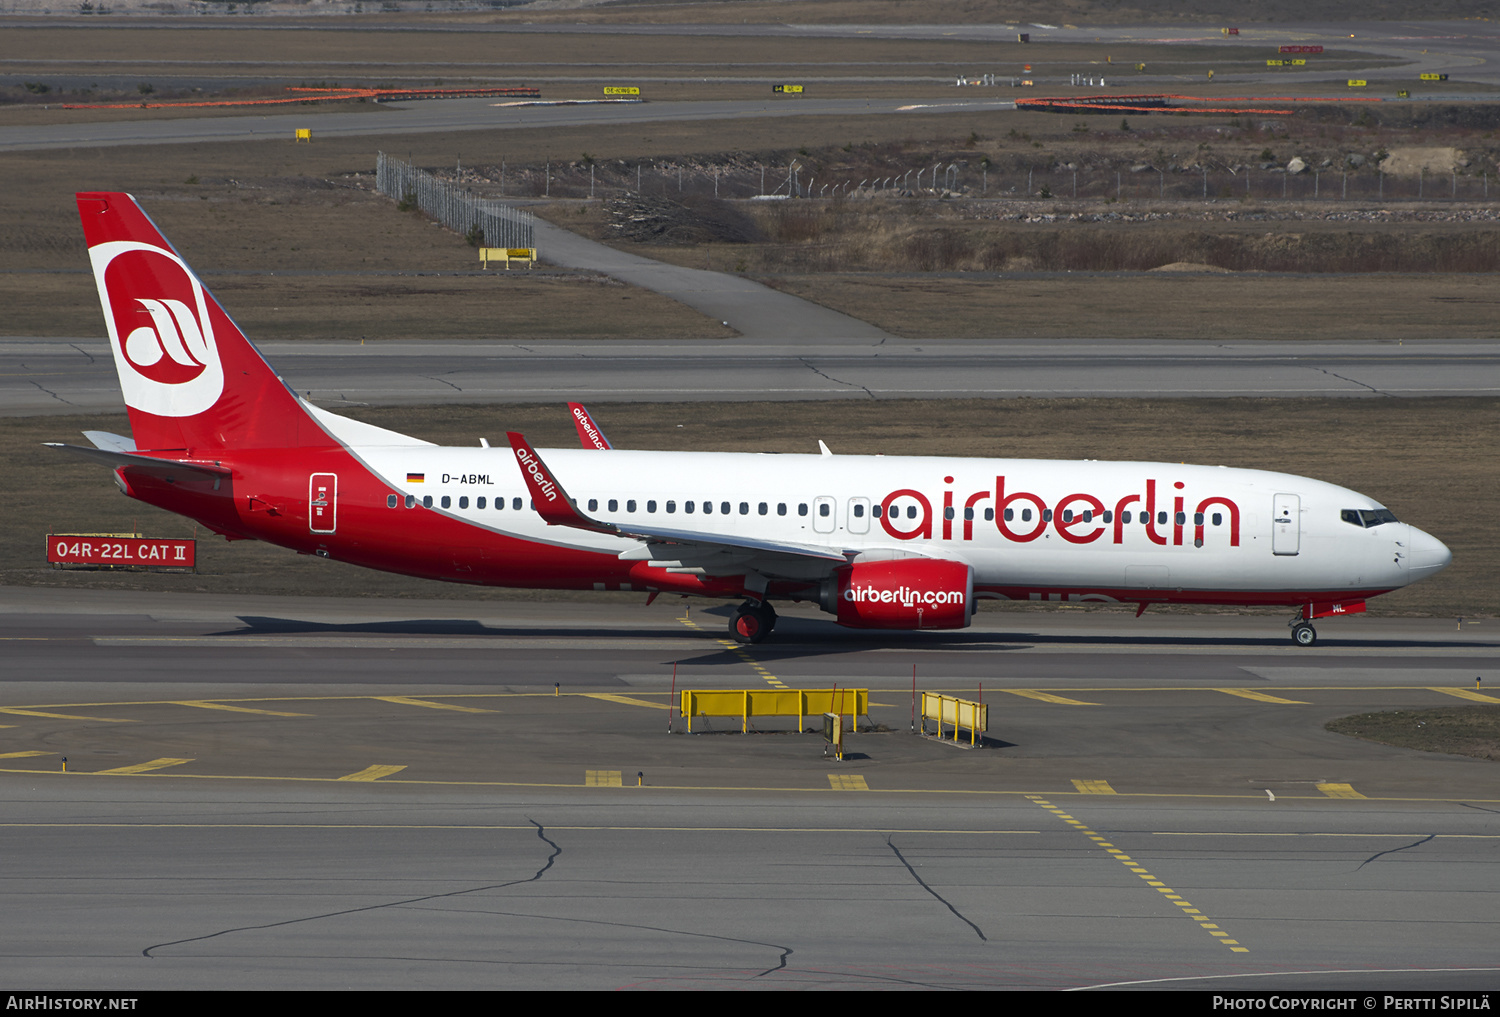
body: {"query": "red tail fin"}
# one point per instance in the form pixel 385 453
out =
pixel 191 379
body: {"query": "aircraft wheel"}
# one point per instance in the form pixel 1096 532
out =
pixel 748 627
pixel 1304 634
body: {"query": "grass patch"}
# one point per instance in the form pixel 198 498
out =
pixel 1456 730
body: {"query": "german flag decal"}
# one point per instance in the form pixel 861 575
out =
pixel 416 478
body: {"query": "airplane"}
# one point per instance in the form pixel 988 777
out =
pixel 879 542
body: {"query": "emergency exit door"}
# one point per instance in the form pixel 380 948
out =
pixel 322 502
pixel 1286 524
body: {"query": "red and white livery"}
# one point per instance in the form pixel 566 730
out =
pixel 880 542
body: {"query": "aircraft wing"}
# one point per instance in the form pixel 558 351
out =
pixel 662 544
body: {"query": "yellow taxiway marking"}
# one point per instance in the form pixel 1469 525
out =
pixel 1259 697
pixel 1470 694
pixel 1046 697
pixel 1339 791
pixel 1166 891
pixel 62 716
pixel 1094 787
pixel 204 704
pixel 610 697
pixel 18 755
pixel 155 764
pixel 847 782
pixel 412 701
pixel 373 772
pixel 602 778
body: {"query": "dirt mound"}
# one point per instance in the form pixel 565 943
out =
pixel 694 220
pixel 1408 162
pixel 1190 266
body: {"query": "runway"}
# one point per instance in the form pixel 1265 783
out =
pixel 50 376
pixel 392 795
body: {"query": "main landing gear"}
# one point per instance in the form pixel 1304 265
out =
pixel 753 621
pixel 1303 634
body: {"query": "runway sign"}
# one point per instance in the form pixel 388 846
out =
pixel 787 89
pixel 619 90
pixel 121 549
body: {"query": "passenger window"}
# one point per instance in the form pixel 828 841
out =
pixel 1125 516
pixel 411 501
pixel 630 505
pixel 1010 514
pixel 781 508
pixel 687 506
pixel 1197 518
pixel 463 501
pixel 948 512
pixel 745 508
pixel 1025 515
pixel 672 506
pixel 479 502
pixel 1108 516
pixel 650 506
pixel 1067 515
pixel 447 501
pixel 802 509
pixel 875 511
pixel 989 515
pixel 724 508
pixel 593 504
pixel 1088 515
pixel 1161 519
pixel 614 505
pixel 390 501
pixel 1218 519
pixel 515 503
pixel 1046 515
pixel 859 511
pixel 823 510
pixel 911 512
pixel 763 508
pixel 427 501
pixel 1180 518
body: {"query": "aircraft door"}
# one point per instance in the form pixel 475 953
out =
pixel 824 514
pixel 322 502
pixel 1286 524
pixel 859 515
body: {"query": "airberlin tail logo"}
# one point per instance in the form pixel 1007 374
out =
pixel 159 327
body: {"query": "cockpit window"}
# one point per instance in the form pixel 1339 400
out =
pixel 1368 518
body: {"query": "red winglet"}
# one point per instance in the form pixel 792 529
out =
pixel 552 502
pixel 588 431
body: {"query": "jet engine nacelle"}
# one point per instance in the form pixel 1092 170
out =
pixel 907 593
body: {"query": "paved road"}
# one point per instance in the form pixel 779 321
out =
pixel 757 312
pixel 326 793
pixel 41 376
pixel 448 115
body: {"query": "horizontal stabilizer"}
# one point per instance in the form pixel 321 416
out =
pixel 115 460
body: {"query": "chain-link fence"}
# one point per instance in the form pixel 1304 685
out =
pixel 490 223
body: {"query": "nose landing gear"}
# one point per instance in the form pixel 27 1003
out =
pixel 753 621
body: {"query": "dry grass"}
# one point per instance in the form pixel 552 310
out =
pixel 1401 452
pixel 1457 730
pixel 1177 305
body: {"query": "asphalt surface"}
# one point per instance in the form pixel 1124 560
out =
pixel 321 793
pixel 46 376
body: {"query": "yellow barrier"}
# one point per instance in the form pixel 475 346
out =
pixel 961 713
pixel 304 134
pixel 799 703
pixel 507 255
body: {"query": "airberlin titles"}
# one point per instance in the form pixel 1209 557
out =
pixel 1079 518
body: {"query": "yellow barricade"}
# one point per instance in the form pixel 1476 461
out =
pixel 961 713
pixel 304 134
pixel 799 703
pixel 507 255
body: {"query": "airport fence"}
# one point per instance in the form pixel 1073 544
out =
pixel 486 222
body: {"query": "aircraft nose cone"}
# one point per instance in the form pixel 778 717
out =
pixel 1427 555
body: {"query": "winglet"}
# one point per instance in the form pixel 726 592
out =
pixel 588 431
pixel 552 502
